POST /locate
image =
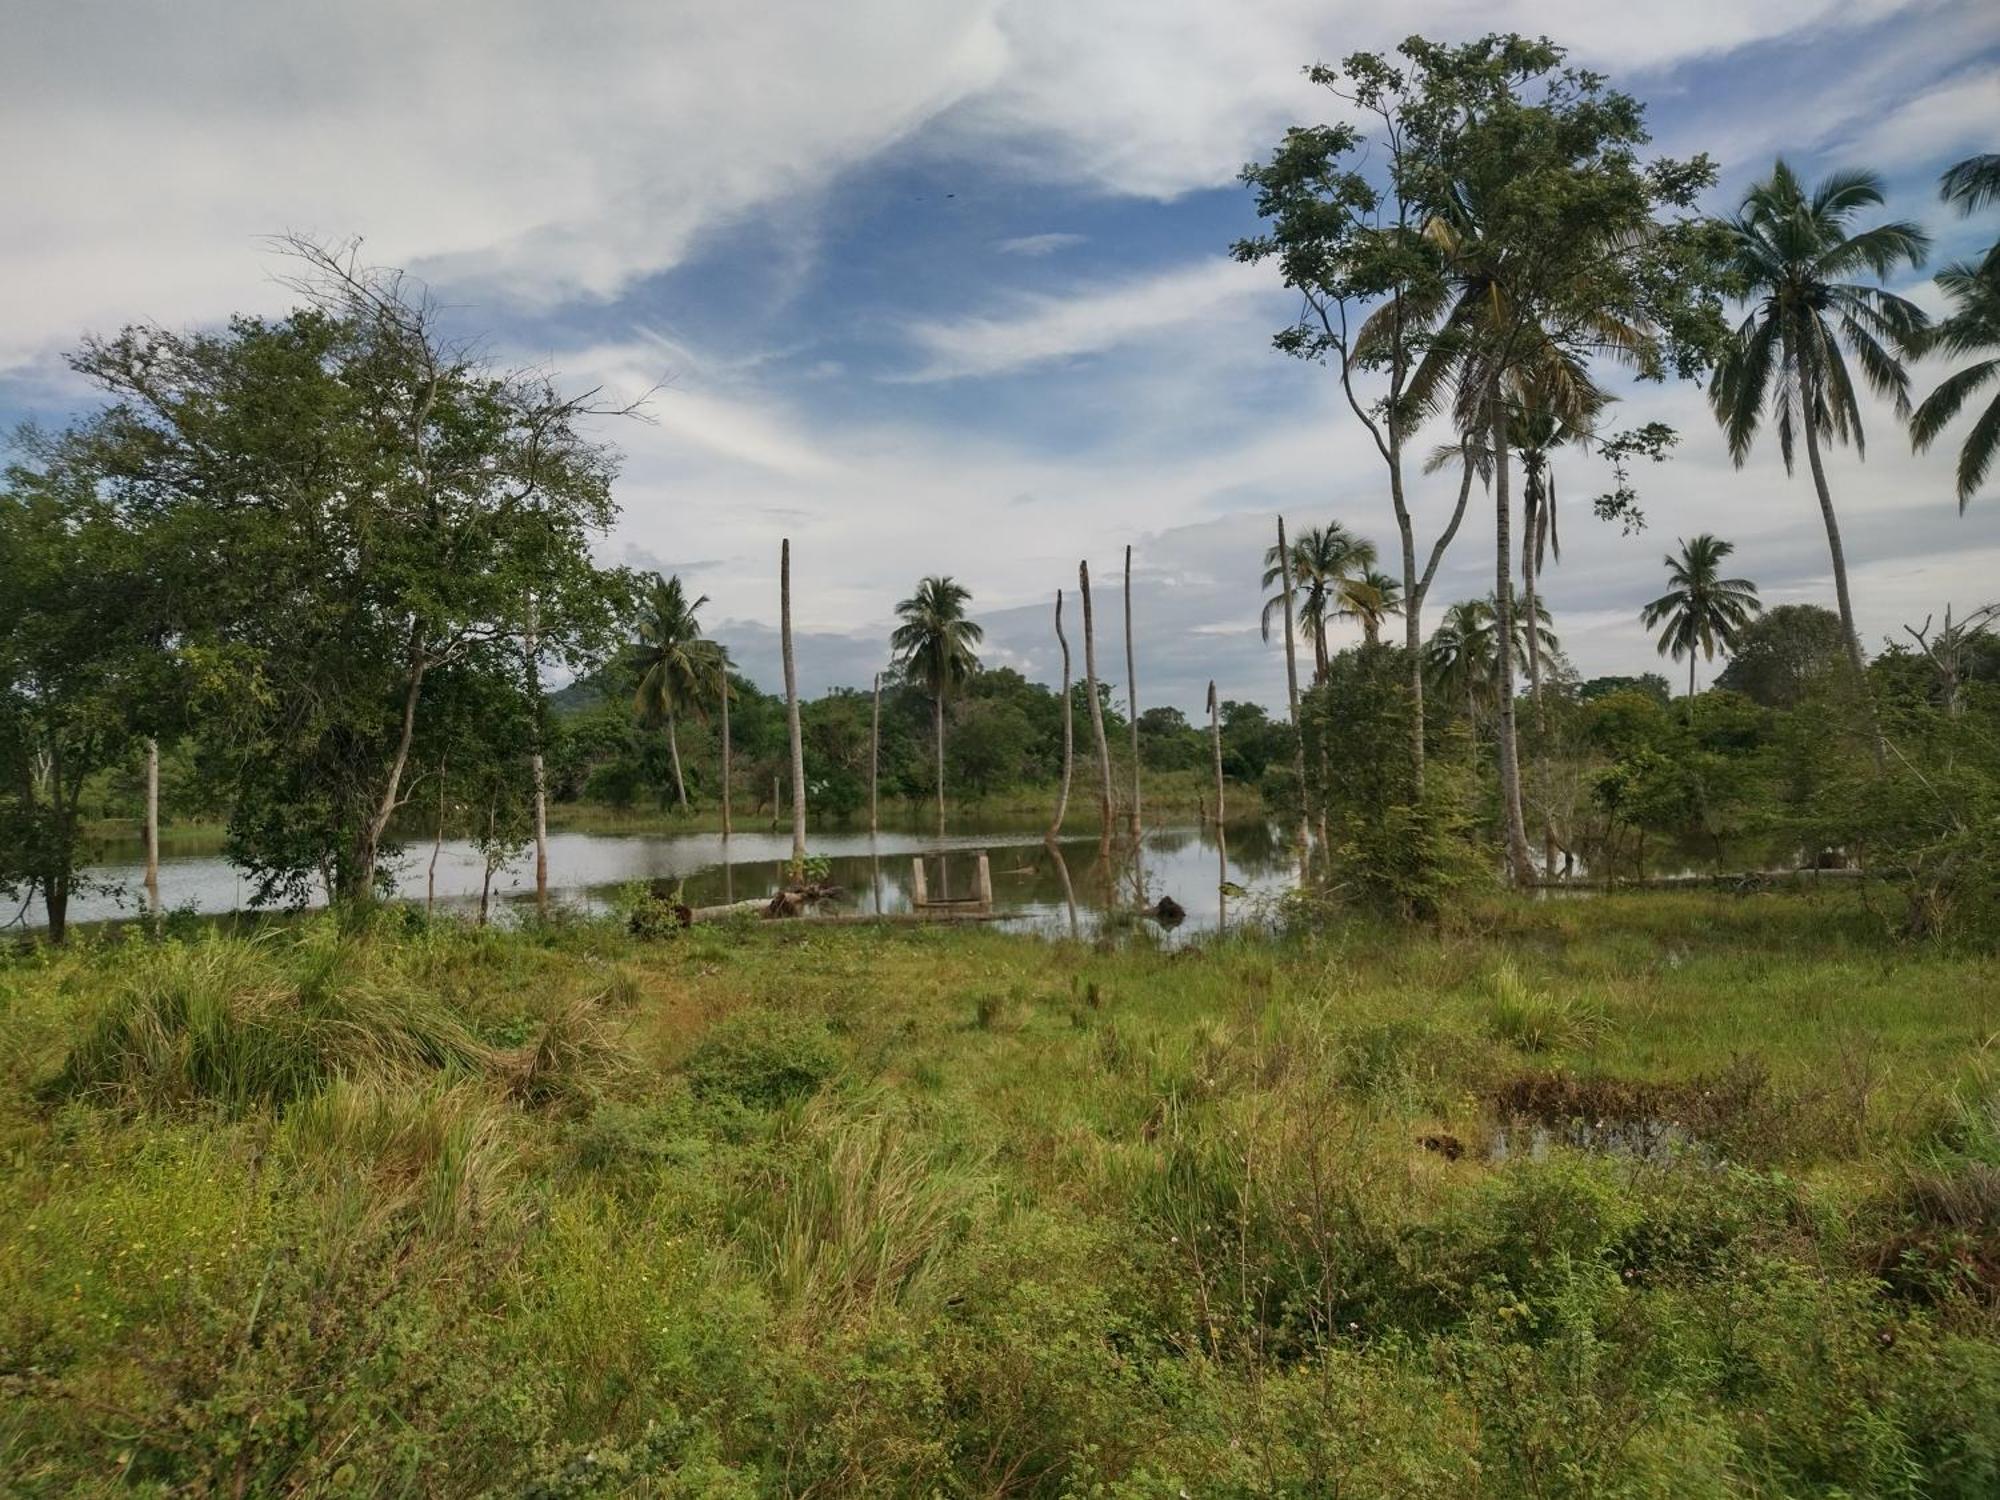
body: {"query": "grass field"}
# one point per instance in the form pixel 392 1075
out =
pixel 1662 1196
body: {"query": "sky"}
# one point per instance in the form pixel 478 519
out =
pixel 943 286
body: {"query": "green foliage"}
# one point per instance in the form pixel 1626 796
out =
pixel 763 1058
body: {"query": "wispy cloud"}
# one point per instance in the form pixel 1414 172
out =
pixel 1037 245
pixel 1042 329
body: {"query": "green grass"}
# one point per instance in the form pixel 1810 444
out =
pixel 777 1210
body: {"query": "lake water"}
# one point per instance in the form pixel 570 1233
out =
pixel 873 872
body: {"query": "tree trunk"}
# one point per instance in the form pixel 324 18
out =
pixel 1533 521
pixel 486 881
pixel 1413 605
pixel 537 775
pixel 1690 689
pixel 1855 660
pixel 152 826
pixel 437 846
pixel 725 753
pixel 1292 687
pixel 358 881
pixel 1132 694
pixel 674 754
pixel 1096 709
pixel 1221 809
pixel 792 707
pixel 937 721
pixel 874 757
pixel 1068 733
pixel 1520 861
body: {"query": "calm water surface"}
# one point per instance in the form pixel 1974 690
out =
pixel 1033 888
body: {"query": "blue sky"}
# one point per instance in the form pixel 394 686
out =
pixel 941 285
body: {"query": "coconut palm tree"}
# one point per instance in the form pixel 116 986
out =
pixel 1462 659
pixel 1971 329
pixel 934 647
pixel 1371 597
pixel 1323 560
pixel 676 666
pixel 1703 611
pixel 1792 252
pixel 1971 185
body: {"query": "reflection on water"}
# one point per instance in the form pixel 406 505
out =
pixel 1073 889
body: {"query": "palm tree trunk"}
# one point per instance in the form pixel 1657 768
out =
pixel 792 706
pixel 725 753
pixel 1132 694
pixel 1292 687
pixel 537 775
pixel 937 720
pixel 674 753
pixel 1518 857
pixel 1690 690
pixel 1221 810
pixel 1068 736
pixel 874 754
pixel 1855 660
pixel 1096 710
pixel 1531 535
pixel 152 826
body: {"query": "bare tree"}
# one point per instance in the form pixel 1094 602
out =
pixel 1948 650
pixel 792 707
pixel 153 825
pixel 1096 708
pixel 1292 683
pixel 1068 735
pixel 874 753
pixel 1132 695
pixel 722 679
pixel 1221 808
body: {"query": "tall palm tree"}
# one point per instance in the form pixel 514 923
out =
pixel 1792 252
pixel 1489 358
pixel 1324 559
pixel 1971 185
pixel 1371 597
pixel 934 647
pixel 1462 657
pixel 1702 611
pixel 1972 328
pixel 676 666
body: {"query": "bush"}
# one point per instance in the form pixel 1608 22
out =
pixel 762 1058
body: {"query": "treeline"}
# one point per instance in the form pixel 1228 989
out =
pixel 1773 767
pixel 1004 736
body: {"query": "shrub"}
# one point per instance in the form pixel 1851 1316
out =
pixel 1536 1020
pixel 762 1058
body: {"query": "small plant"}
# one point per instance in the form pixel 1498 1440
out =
pixel 1536 1020
pixel 762 1058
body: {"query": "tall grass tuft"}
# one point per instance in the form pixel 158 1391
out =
pixel 1536 1020
pixel 222 1023
pixel 858 1219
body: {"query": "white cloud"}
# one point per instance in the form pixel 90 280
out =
pixel 1037 245
pixel 1044 329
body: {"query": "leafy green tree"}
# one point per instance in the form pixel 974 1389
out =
pixel 1778 657
pixel 1702 611
pixel 679 672
pixel 1791 254
pixel 349 501
pixel 80 663
pixel 1652 684
pixel 934 646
